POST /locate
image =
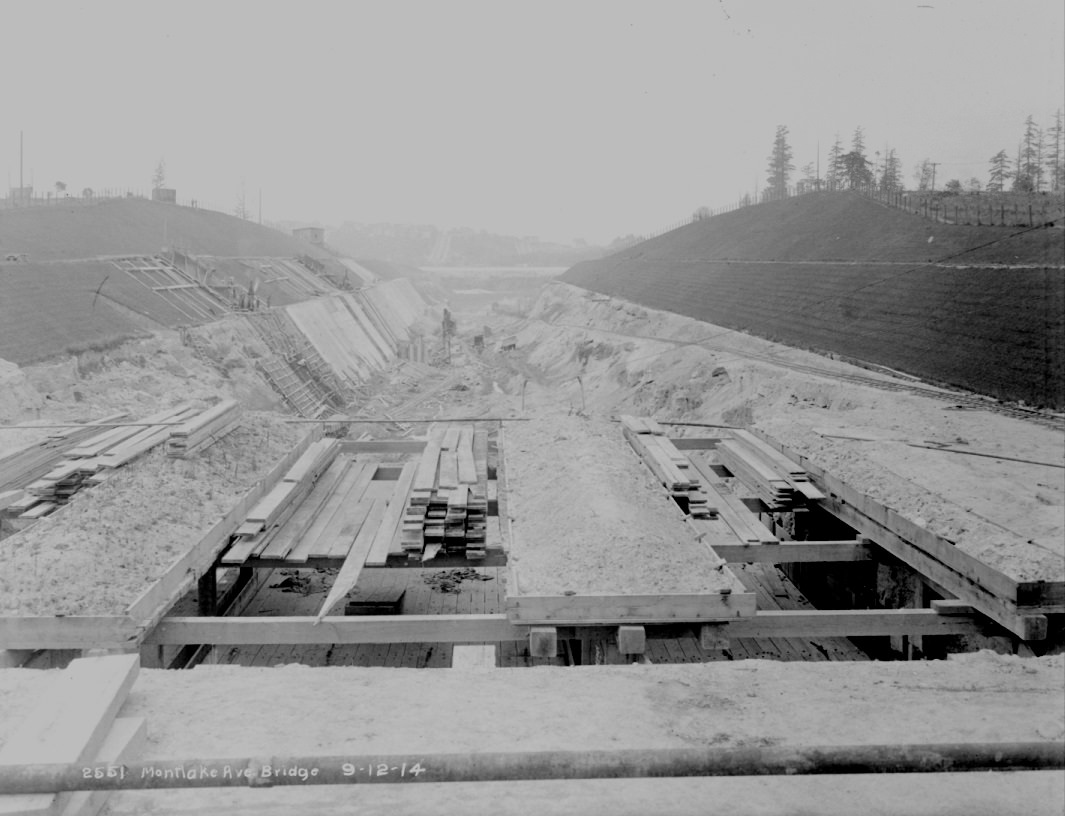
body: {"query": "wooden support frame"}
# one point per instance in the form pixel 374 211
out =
pixel 790 552
pixel 559 610
pixel 497 628
pixel 338 629
pixel 1047 595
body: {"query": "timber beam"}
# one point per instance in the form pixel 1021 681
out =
pixel 496 628
pixel 790 552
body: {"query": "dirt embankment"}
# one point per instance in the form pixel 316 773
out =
pixel 609 356
pixel 843 274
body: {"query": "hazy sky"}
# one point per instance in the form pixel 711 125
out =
pixel 558 119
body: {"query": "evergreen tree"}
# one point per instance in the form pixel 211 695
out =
pixel 159 176
pixel 1022 182
pixel 858 141
pixel 834 172
pixel 856 172
pixel 891 177
pixel 922 174
pixel 1055 147
pixel 1000 172
pixel 780 165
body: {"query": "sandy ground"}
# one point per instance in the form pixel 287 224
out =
pixel 97 554
pixel 633 360
pixel 216 712
pixel 589 517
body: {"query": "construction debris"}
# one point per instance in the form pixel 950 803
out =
pixel 450 581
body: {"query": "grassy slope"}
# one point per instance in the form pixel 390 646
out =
pixel 137 226
pixel 995 332
pixel 54 305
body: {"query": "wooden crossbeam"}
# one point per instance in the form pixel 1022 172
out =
pixel 180 631
pixel 629 609
pixel 790 552
pixel 337 629
pixel 856 623
pixel 72 632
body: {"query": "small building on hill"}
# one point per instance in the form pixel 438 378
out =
pixel 312 235
pixel 167 195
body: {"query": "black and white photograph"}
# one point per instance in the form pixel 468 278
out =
pixel 497 408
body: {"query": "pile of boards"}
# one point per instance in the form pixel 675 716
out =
pixel 202 430
pixel 448 507
pixel 94 459
pixel 668 464
pixel 266 517
pixel 778 482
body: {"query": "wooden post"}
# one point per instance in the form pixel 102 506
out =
pixel 543 642
pixel 713 637
pixel 207 593
pixel 632 640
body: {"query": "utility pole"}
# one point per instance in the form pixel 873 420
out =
pixel 260 206
pixel 934 166
pixel 21 188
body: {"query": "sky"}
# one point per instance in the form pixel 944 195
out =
pixel 587 119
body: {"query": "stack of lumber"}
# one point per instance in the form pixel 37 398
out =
pixel 668 464
pixel 264 520
pixel 777 481
pixel 30 463
pixel 204 429
pixel 448 507
pixel 89 462
pixel 731 510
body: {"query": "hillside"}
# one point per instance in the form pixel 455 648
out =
pixel 137 226
pixel 839 273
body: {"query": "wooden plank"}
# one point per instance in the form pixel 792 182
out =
pixel 299 522
pixel 445 628
pixel 358 507
pixel 390 522
pixel 408 446
pixel 338 533
pixel 356 557
pixel 684 443
pixel 449 470
pixel 855 623
pixel 70 632
pixel 730 509
pixel 425 475
pixel 616 609
pixel 125 742
pixel 474 656
pixel 451 438
pixel 314 542
pixel 467 466
pixel 790 552
pixel 69 725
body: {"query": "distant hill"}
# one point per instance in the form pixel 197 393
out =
pixel 839 273
pixel 137 226
pixel 426 245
